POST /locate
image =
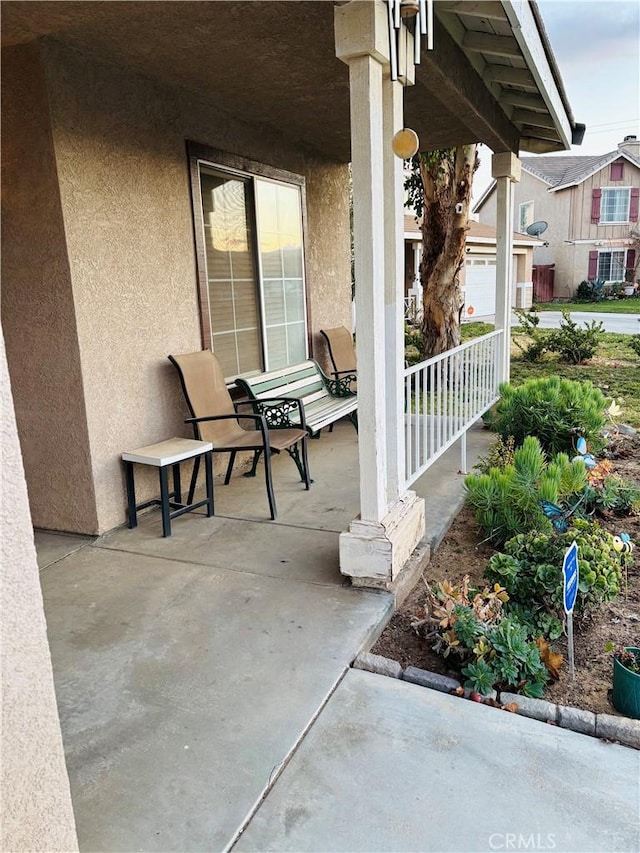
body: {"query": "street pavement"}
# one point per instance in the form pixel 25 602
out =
pixel 622 324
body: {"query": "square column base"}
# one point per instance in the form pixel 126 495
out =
pixel 373 553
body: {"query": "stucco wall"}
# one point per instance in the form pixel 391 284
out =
pixel 35 796
pixel 38 314
pixel 119 141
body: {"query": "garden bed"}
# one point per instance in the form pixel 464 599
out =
pixel 463 552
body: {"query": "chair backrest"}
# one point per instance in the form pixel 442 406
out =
pixel 341 349
pixel 206 393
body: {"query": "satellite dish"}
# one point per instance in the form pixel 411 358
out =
pixel 537 228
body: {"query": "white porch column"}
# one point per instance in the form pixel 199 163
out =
pixel 391 521
pixel 394 289
pixel 505 168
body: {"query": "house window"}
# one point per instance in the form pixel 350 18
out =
pixel 525 216
pixel 614 205
pixel 616 171
pixel 611 265
pixel 250 256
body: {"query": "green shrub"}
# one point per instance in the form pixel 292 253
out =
pixel 634 343
pixel 507 501
pixel 501 454
pixel 531 570
pixel 589 291
pixel 537 343
pixel 575 343
pixel 550 409
pixel 413 345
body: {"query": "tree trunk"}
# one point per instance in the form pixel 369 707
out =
pixel 446 179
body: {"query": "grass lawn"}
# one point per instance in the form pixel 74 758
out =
pixel 614 369
pixel 605 306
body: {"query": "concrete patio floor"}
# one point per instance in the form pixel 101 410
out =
pixel 390 766
pixel 188 669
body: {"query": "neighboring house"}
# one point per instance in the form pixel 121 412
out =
pixel 591 206
pixel 478 274
pixel 176 175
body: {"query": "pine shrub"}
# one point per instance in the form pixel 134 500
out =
pixel 551 409
pixel 506 501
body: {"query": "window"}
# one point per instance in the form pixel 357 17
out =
pixel 611 265
pixel 614 205
pixel 616 171
pixel 525 217
pixel 250 263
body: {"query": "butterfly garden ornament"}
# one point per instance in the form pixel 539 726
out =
pixel 583 454
pixel 557 516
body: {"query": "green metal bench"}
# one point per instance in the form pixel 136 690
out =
pixel 324 400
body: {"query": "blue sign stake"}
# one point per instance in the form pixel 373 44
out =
pixel 571 577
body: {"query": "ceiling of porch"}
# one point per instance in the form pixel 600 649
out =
pixel 274 63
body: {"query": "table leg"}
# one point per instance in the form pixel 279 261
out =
pixel 177 491
pixel 164 502
pixel 131 495
pixel 208 465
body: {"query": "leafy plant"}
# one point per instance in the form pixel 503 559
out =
pixel 550 408
pixel 471 624
pixel 630 660
pixel 589 291
pixel 634 343
pixel 609 493
pixel 531 569
pixel 575 343
pixel 501 454
pixel 505 656
pixel 537 340
pixel 507 501
pixel 413 345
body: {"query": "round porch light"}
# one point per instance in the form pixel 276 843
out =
pixel 405 143
pixel 409 8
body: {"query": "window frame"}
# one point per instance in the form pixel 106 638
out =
pixel 247 170
pixel 603 190
pixel 525 205
pixel 610 251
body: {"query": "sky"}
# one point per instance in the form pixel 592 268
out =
pixel 597 48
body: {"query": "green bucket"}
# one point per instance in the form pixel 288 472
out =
pixel 626 688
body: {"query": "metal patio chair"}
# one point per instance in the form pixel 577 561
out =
pixel 341 351
pixel 215 418
pixel 343 357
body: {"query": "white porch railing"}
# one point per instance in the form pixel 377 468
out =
pixel 444 396
pixel 412 308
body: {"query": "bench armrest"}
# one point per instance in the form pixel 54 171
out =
pixel 341 385
pixel 276 410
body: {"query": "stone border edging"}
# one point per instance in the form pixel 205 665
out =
pixel 622 729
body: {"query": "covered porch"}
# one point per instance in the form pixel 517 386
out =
pixel 188 669
pixel 107 110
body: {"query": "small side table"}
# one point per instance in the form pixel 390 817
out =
pixel 162 455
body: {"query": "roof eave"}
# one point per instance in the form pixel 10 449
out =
pixel 528 30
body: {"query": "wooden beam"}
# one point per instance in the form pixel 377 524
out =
pixel 509 76
pixel 540 133
pixel 534 119
pixel 448 75
pixel 523 100
pixel 490 11
pixel 491 44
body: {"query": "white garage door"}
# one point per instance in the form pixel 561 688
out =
pixel 480 286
